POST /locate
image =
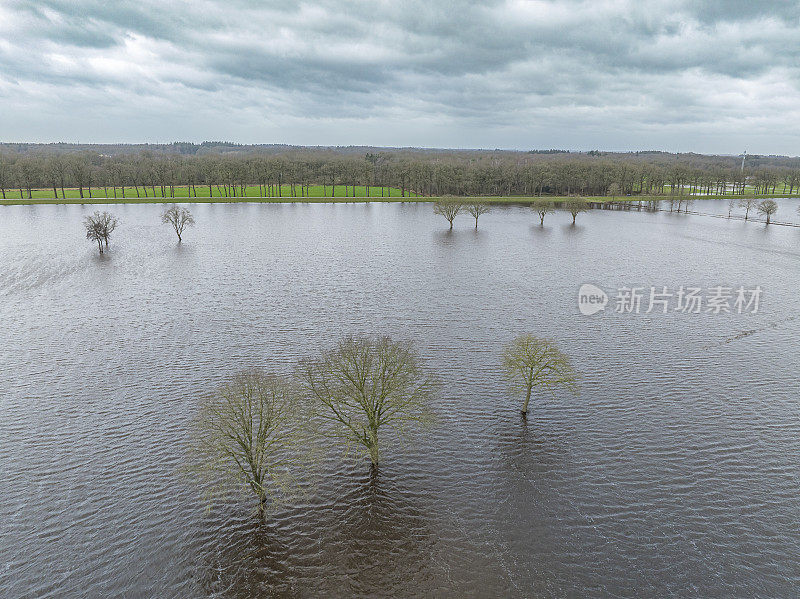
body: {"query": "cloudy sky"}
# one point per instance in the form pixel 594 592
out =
pixel 703 75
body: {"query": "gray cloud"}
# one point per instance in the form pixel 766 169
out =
pixel 676 74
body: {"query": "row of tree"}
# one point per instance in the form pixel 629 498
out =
pixel 260 432
pixel 450 208
pixel 150 174
pixel 766 208
pixel 100 225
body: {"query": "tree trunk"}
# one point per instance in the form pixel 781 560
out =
pixel 527 399
pixel 262 505
pixel 373 453
pixel 372 441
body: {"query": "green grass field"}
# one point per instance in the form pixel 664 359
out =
pixel 317 194
pixel 252 193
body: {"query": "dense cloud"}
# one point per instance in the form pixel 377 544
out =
pixel 676 75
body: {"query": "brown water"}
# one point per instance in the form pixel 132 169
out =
pixel 674 472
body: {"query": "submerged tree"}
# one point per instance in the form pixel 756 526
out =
pixel 365 384
pixel 476 209
pixel 543 208
pixel 247 438
pixel 768 208
pixel 99 227
pixel 748 204
pixel 109 224
pixel 94 231
pixel 731 206
pixel 575 206
pixel 448 209
pixel 179 217
pixel 532 362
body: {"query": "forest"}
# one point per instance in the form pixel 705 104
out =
pixel 216 169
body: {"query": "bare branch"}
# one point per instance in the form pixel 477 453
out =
pixel 532 362
pixel 364 384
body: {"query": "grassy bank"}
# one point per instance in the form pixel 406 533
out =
pixel 186 193
pixel 317 194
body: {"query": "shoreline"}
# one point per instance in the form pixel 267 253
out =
pixel 510 200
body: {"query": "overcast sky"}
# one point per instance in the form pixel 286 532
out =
pixel 704 75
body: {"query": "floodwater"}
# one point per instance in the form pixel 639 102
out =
pixel 674 472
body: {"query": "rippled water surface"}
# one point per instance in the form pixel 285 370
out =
pixel 674 472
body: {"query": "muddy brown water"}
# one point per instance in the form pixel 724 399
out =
pixel 675 472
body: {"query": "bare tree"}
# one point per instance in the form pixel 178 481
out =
pixel 436 174
pixel 476 209
pixel 247 438
pixel 29 170
pixel 6 171
pixel 448 209
pixel 543 208
pixel 731 206
pixel 57 169
pixel 533 362
pixel 80 166
pixel 364 384
pixel 94 230
pixel 575 206
pixel 748 204
pixel 99 227
pixel 179 217
pixel 768 208
pixel 109 224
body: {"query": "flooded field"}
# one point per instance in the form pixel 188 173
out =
pixel 675 471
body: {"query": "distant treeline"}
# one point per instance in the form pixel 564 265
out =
pixel 277 170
